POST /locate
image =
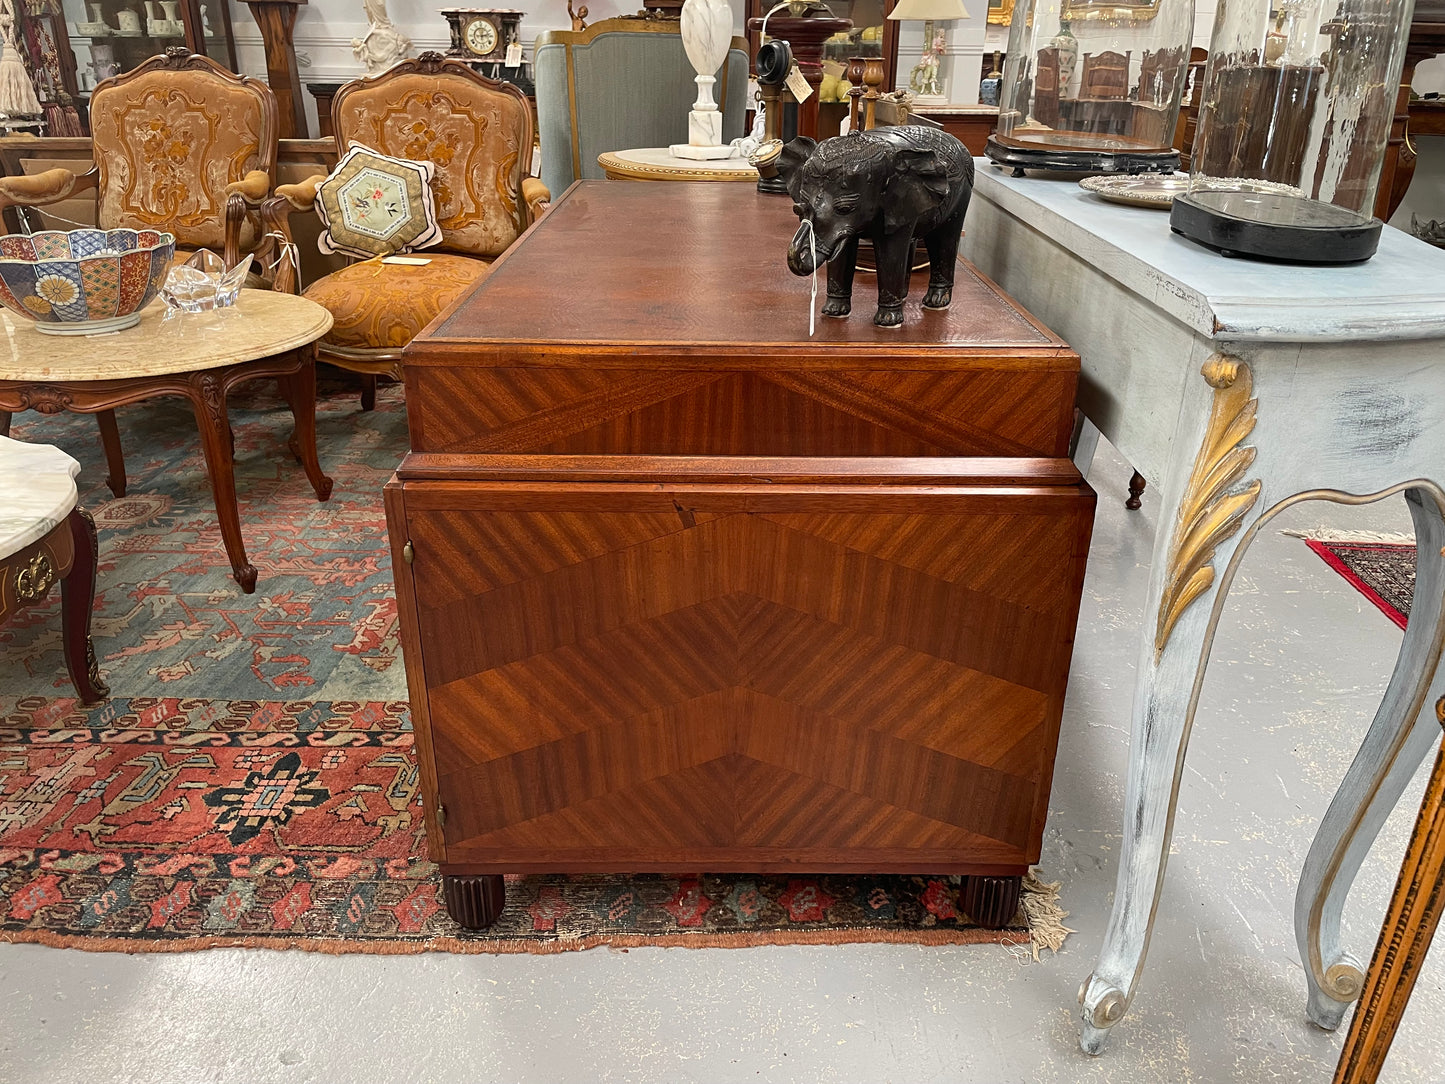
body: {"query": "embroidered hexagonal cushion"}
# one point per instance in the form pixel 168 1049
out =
pixel 375 205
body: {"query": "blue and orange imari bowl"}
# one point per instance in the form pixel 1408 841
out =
pixel 84 281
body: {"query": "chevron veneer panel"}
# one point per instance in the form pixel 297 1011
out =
pixel 726 677
pixel 688 585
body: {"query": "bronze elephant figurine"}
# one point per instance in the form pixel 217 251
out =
pixel 891 185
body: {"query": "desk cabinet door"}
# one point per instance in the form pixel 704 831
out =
pixel 738 676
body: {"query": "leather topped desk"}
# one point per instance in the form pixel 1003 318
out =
pixel 683 588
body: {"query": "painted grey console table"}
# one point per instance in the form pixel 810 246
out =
pixel 1239 389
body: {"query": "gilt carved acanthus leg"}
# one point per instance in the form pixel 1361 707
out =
pixel 1216 505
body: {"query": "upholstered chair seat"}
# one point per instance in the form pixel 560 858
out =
pixel 383 306
pixel 477 133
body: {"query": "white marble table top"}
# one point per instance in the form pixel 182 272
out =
pixel 1400 294
pixel 261 324
pixel 37 492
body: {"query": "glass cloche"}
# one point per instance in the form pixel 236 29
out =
pixel 1093 86
pixel 1297 102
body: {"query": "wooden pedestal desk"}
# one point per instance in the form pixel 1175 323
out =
pixel 683 589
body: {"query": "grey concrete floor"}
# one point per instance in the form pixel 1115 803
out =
pixel 1298 666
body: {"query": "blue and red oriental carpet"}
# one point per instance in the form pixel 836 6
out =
pixel 252 782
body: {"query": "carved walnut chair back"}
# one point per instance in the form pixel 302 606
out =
pixel 1046 87
pixel 1105 75
pixel 476 131
pixel 169 138
pixel 1160 72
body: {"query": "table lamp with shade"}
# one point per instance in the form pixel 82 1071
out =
pixel 925 80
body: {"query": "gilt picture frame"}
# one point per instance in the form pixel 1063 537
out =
pixel 1125 10
pixel 1000 12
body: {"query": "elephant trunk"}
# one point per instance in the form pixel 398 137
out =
pixel 807 252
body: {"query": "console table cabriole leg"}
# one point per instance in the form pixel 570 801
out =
pixel 207 392
pixel 1211 517
pixel 1402 735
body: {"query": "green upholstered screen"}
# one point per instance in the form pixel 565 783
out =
pixel 633 89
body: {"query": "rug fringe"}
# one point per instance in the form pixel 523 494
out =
pixel 1040 904
pixel 332 946
pixel 1326 534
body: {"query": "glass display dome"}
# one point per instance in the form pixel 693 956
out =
pixel 1093 86
pixel 1297 102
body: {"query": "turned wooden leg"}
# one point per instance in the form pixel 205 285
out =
pixel 475 902
pixel 114 457
pixel 208 401
pixel 300 391
pixel 1409 927
pixel 77 600
pixel 992 902
pixel 1136 490
pixel 4 423
pixel 368 391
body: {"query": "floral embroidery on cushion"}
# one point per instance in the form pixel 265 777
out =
pixel 168 153
pixel 172 142
pixel 466 133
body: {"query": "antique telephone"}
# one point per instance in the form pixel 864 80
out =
pixel 774 63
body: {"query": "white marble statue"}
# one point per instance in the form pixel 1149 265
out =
pixel 707 33
pixel 384 44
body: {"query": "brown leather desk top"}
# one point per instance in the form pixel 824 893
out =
pixel 621 267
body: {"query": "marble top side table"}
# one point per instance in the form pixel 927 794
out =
pixel 45 538
pixel 1239 389
pixel 200 357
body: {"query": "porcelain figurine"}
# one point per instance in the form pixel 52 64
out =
pixel 891 185
pixel 384 44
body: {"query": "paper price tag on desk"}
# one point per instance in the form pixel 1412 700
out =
pixel 798 86
pixel 514 55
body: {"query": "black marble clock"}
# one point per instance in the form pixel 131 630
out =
pixel 482 34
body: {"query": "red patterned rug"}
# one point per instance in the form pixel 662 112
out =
pixel 1384 572
pixel 207 803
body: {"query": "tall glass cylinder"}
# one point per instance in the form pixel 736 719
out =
pixel 1295 114
pixel 1093 86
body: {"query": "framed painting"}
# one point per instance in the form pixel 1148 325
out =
pixel 1131 10
pixel 1000 12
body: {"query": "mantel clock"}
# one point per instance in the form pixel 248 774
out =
pixel 482 34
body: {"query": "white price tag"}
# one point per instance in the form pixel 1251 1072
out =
pixel 407 261
pixel 514 55
pixel 798 86
pixel 833 68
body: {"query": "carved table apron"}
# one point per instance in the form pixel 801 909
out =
pixel 1238 389
pixel 200 357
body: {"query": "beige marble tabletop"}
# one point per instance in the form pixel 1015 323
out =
pixel 657 163
pixel 261 324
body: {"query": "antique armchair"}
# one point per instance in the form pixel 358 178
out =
pixel 618 84
pixel 180 144
pixel 1105 76
pixel 1046 87
pixel 478 133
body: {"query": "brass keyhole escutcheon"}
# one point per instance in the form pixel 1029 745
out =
pixel 32 581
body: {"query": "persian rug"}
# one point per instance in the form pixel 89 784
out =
pixel 251 781
pixel 1384 572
